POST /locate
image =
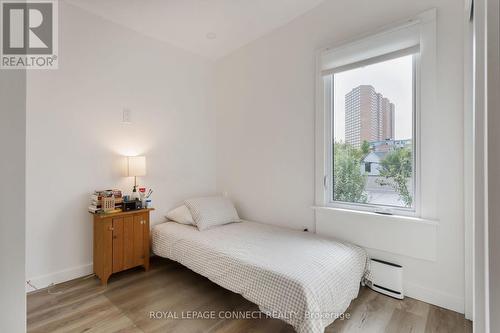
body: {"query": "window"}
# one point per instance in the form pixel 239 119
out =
pixel 369 102
pixel 372 113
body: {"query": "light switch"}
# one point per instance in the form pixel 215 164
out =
pixel 127 116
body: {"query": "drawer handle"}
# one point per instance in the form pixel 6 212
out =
pixel 111 228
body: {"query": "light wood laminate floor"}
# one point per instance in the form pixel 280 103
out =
pixel 83 305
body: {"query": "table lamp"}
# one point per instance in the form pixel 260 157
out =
pixel 136 167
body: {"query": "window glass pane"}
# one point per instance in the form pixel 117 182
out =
pixel 373 134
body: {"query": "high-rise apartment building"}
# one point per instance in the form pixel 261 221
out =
pixel 369 116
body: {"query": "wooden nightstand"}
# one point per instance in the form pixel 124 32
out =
pixel 121 241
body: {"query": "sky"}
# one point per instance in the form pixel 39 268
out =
pixel 392 78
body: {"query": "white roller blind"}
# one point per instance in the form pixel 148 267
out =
pixel 389 44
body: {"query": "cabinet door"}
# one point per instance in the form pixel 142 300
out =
pixel 140 221
pixel 145 244
pixel 103 248
pixel 117 244
pixel 128 242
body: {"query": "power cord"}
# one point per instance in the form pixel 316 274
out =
pixel 52 285
pixel 31 285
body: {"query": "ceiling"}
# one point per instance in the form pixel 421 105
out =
pixel 211 28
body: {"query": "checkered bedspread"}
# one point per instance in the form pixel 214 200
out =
pixel 302 278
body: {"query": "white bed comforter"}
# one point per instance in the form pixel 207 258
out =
pixel 299 277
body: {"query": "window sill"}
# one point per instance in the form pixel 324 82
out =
pixel 392 217
pixel 409 236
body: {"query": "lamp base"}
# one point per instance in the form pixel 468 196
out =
pixel 135 195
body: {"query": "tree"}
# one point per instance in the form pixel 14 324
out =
pixel 397 166
pixel 365 147
pixel 349 182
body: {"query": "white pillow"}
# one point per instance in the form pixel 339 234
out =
pixel 180 214
pixel 212 211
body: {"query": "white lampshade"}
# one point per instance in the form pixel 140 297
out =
pixel 136 166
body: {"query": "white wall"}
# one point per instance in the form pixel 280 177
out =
pixel 265 130
pixel 12 200
pixel 75 135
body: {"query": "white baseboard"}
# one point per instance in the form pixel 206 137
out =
pixel 58 277
pixel 434 297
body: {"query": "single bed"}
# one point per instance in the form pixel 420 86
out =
pixel 302 278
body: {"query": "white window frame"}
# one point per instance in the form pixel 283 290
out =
pixel 390 40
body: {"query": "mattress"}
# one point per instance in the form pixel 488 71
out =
pixel 302 278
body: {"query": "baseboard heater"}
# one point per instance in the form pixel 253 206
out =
pixel 386 278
